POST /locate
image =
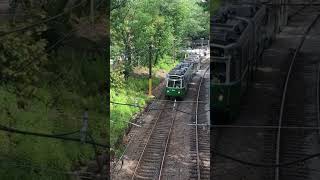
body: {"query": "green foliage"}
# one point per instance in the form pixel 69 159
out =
pixel 47 93
pixel 214 5
pixel 136 26
pixel 166 64
pixel 38 151
pixel 165 24
pixel 117 77
pixel 21 57
pixel 134 91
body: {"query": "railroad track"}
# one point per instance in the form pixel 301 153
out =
pixel 200 137
pixel 152 157
pixel 151 163
pixel 148 146
pixel 138 138
pixel 300 108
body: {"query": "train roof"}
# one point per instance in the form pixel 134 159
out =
pixel 180 69
pixel 244 10
pixel 226 29
pixel 224 36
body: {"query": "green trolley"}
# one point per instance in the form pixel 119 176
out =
pixel 177 79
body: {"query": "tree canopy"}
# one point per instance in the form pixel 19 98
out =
pixel 165 25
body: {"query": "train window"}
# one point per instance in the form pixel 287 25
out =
pixel 265 20
pixel 217 52
pixel 233 72
pixel 218 74
pixel 177 84
pixel 174 84
pixel 170 83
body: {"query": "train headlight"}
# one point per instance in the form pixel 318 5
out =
pixel 168 91
pixel 178 92
pixel 220 98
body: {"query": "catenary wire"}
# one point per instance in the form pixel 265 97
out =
pixel 17 131
pixel 216 152
pixel 42 21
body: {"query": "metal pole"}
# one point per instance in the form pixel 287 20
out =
pixel 150 70
pixel 92 11
pixel 84 126
pixel 174 50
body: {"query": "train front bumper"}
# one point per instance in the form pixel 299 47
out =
pixel 175 92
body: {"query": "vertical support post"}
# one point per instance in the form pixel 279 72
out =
pixel 150 70
pixel 286 13
pixel 174 50
pixel 92 11
pixel 84 126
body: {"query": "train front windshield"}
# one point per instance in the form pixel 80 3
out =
pixel 174 83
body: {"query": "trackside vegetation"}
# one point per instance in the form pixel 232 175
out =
pixel 49 76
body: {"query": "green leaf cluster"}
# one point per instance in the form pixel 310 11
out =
pixel 163 24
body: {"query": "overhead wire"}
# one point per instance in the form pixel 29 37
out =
pixel 43 21
pixel 216 152
pixel 47 169
pixel 17 131
pixel 134 105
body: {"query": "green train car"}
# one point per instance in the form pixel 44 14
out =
pixel 238 34
pixel 231 64
pixel 177 79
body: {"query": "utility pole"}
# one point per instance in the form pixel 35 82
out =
pixel 174 50
pixel 92 11
pixel 150 70
pixel 202 45
pixel 84 128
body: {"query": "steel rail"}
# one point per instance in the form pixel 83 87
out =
pixel 285 92
pixel 262 127
pixel 196 118
pixel 318 99
pixel 145 146
pixel 133 137
pixel 165 149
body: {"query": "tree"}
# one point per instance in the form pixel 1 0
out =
pixel 163 23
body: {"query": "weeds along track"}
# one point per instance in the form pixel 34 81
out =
pixel 200 133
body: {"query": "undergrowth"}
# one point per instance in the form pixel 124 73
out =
pixel 58 108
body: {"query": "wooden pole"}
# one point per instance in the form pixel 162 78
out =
pixel 150 70
pixel 92 11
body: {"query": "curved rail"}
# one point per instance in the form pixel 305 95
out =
pixel 196 126
pixel 318 99
pixel 283 100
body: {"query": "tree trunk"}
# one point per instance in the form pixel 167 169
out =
pixel 128 48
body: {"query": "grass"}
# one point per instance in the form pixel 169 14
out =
pixel 133 92
pixel 34 151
